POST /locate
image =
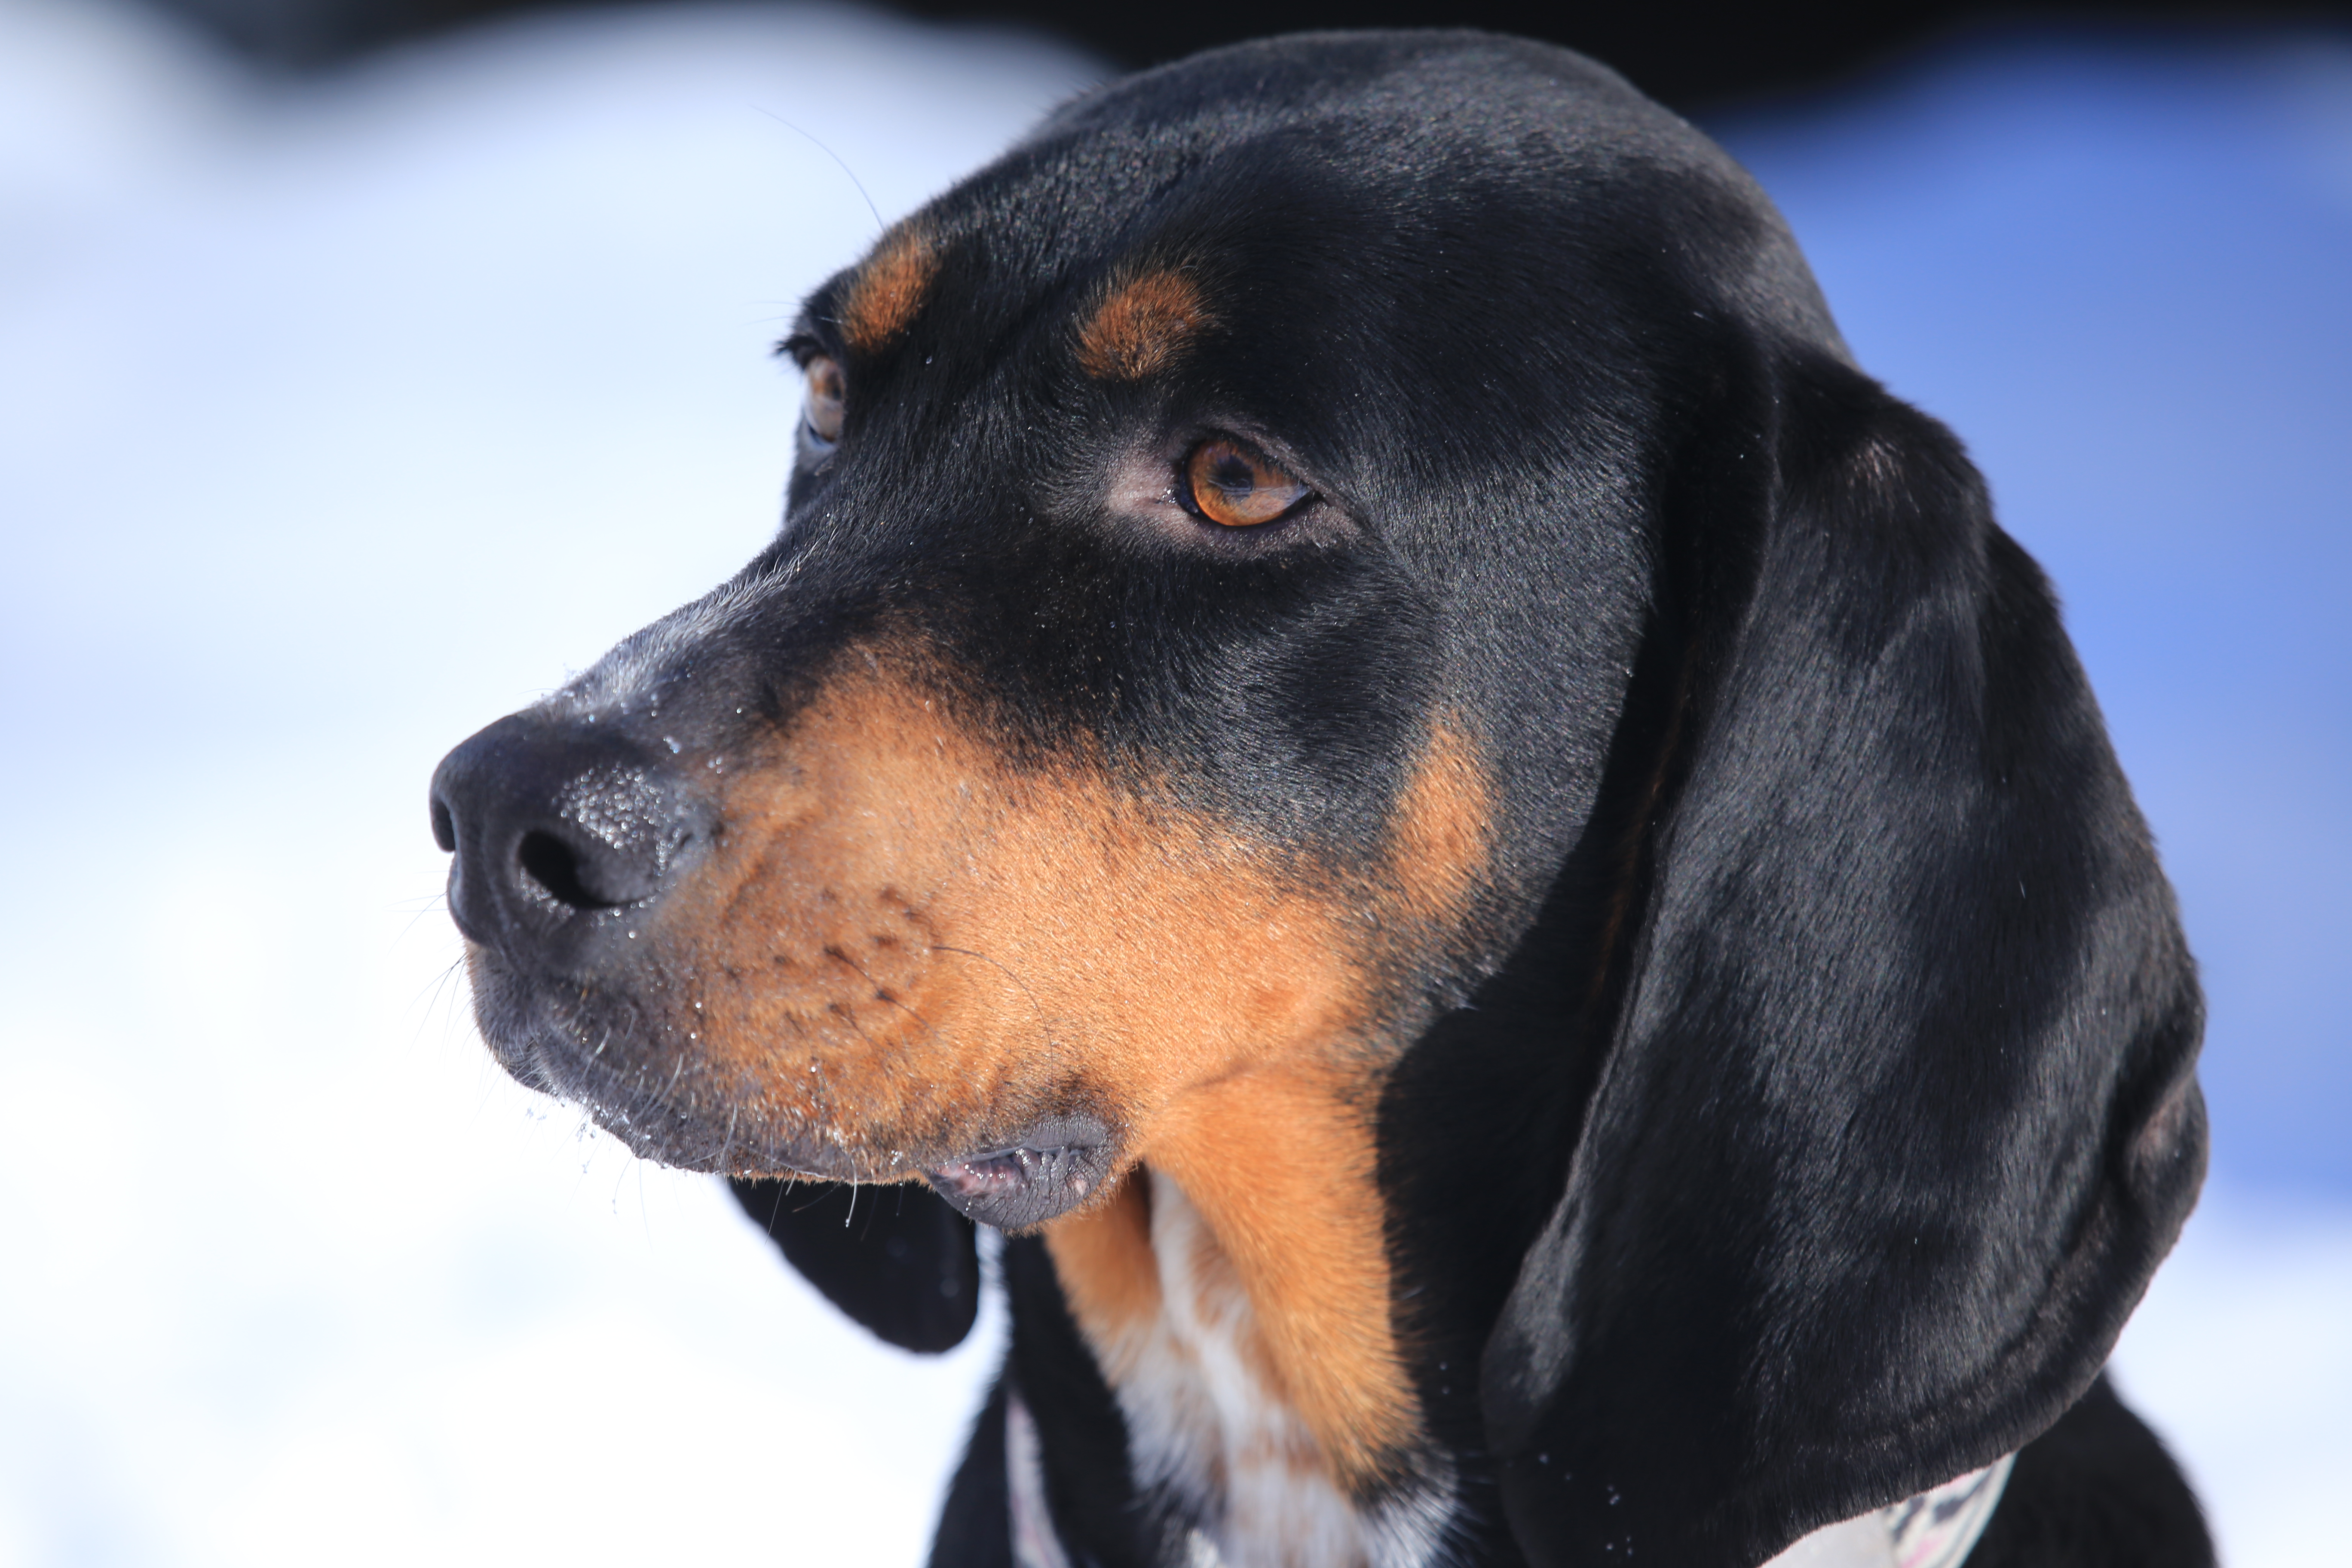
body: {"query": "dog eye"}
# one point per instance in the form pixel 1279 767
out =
pixel 827 389
pixel 1227 483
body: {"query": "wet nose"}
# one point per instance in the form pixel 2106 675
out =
pixel 554 823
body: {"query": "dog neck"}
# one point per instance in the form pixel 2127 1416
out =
pixel 1234 1470
pixel 1220 1437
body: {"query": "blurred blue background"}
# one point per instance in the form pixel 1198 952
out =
pixel 341 412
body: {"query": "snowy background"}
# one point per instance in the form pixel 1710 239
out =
pixel 340 417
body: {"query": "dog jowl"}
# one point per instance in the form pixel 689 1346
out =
pixel 1363 732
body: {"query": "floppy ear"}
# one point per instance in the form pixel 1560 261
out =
pixel 1898 1112
pixel 897 1258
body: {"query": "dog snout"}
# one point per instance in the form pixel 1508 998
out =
pixel 558 829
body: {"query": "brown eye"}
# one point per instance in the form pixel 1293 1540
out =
pixel 827 389
pixel 1227 483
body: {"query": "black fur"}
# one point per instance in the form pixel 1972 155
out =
pixel 2096 1490
pixel 1806 1097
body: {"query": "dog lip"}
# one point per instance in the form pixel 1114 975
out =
pixel 1001 1171
pixel 1054 1167
pixel 1045 1170
pixel 465 929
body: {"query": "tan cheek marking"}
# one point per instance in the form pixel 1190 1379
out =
pixel 888 288
pixel 1279 1162
pixel 904 944
pixel 1141 326
pixel 1441 833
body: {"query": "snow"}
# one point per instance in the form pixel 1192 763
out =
pixel 338 418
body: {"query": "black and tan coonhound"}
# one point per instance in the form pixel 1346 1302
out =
pixel 1363 735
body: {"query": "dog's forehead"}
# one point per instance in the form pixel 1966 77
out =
pixel 1194 194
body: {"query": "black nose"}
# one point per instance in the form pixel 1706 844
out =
pixel 555 824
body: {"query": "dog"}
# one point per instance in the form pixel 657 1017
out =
pixel 1364 735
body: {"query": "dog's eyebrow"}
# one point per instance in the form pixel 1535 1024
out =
pixel 1143 322
pixel 881 296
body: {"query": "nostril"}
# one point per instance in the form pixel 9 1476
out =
pixel 555 866
pixel 557 827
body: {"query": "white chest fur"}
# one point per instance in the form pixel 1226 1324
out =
pixel 1208 1428
pixel 1214 1440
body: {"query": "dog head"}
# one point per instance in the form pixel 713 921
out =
pixel 1318 536
pixel 1144 685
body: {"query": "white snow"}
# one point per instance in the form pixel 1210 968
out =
pixel 339 418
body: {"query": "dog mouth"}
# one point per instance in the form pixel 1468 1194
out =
pixel 1058 1165
pixel 1025 1175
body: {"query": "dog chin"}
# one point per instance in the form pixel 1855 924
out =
pixel 543 1049
pixel 512 1020
pixel 1043 1171
pixel 1050 1168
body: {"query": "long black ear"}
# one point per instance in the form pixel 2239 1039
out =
pixel 896 1258
pixel 1898 1113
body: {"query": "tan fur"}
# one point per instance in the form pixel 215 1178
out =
pixel 1279 1160
pixel 911 946
pixel 1279 1163
pixel 888 288
pixel 1209 1422
pixel 1103 1257
pixel 1439 834
pixel 1142 324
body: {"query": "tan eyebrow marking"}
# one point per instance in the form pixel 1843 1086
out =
pixel 1142 325
pixel 888 288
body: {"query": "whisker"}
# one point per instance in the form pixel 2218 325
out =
pixel 878 224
